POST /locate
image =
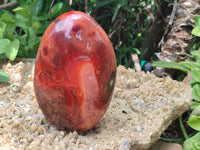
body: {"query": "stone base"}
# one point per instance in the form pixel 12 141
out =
pixel 142 107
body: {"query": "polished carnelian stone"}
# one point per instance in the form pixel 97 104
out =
pixel 75 72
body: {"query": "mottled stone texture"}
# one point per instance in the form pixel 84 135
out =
pixel 75 72
pixel 142 107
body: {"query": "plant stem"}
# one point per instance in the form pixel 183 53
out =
pixel 30 21
pixel 177 139
pixel 183 128
pixel 172 140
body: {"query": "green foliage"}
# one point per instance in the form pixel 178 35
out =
pixel 32 24
pixel 119 18
pixel 125 21
pixel 192 143
pixel 120 4
pixel 4 77
pixel 196 30
pixel 193 67
pixel 12 50
pixel 101 4
pixel 9 45
pixel 20 34
pixel 24 30
pixel 172 65
pixel 194 122
pixel 124 55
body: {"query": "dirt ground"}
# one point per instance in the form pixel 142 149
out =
pixel 142 107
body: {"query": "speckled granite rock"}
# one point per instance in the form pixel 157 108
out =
pixel 141 109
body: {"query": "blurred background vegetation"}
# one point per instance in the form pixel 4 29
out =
pixel 134 26
pixel 22 23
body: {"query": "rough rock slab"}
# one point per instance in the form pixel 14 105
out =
pixel 141 109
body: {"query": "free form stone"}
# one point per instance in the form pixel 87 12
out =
pixel 75 72
pixel 141 109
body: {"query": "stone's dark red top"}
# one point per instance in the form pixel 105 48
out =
pixel 75 72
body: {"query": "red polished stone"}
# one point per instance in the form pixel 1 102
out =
pixel 75 72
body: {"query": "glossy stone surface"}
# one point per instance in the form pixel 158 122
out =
pixel 75 72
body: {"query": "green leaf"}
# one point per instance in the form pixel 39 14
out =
pixel 190 65
pixel 4 44
pixel 22 23
pixel 33 39
pixel 192 143
pixel 3 56
pixel 196 111
pixel 22 39
pixel 103 3
pixel 2 26
pixel 10 24
pixel 13 85
pixel 123 2
pixel 197 146
pixel 194 82
pixel 136 51
pixel 37 7
pixel 31 35
pixel 42 29
pixel 196 92
pixel 197 21
pixel 196 55
pixel 194 122
pixel 1 34
pixel 55 9
pixel 31 3
pixel 196 31
pixel 120 4
pixel 4 77
pixel 195 75
pixel 7 18
pixel 36 25
pixel 21 11
pixel 116 12
pixel 65 8
pixel 172 65
pixel 194 105
pixel 11 53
